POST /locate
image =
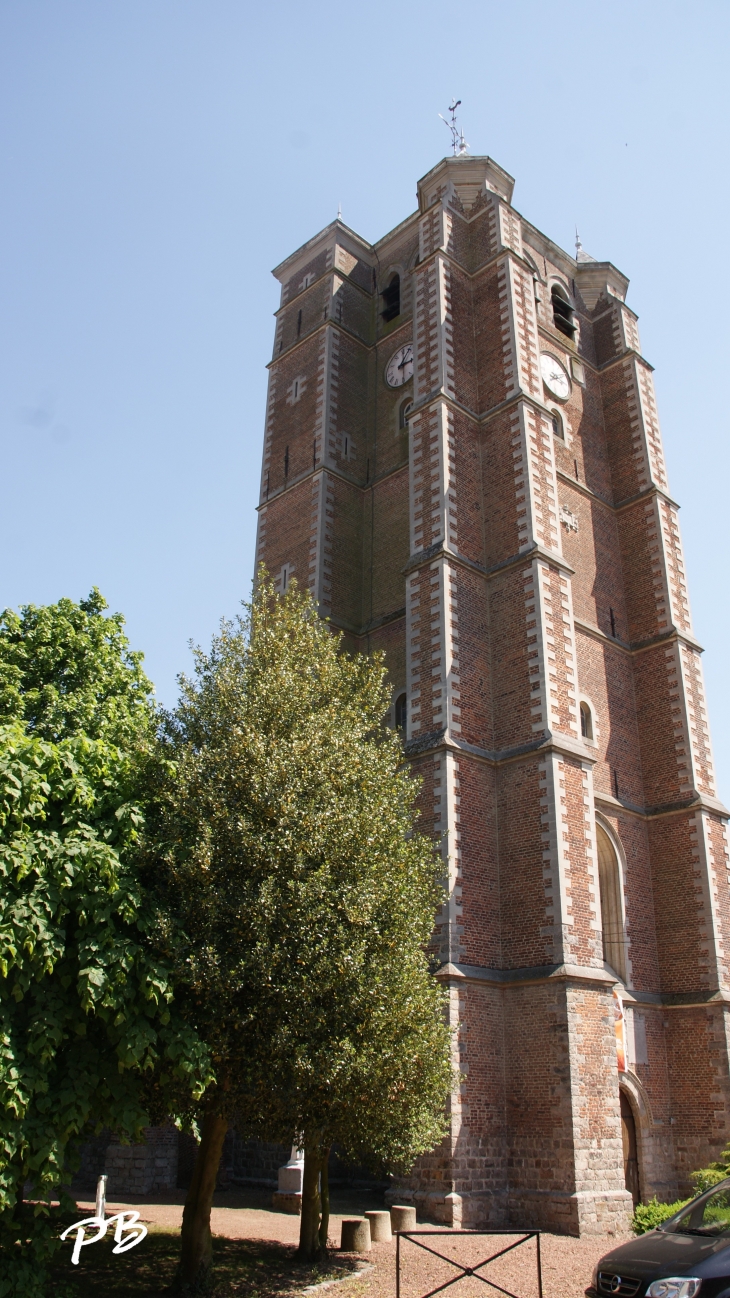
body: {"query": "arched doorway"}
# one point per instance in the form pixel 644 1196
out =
pixel 631 1148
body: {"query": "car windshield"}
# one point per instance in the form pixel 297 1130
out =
pixel 707 1215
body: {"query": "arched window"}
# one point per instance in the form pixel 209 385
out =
pixel 612 911
pixel 401 713
pixel 557 422
pixel 391 299
pixel 405 410
pixel 586 721
pixel 562 311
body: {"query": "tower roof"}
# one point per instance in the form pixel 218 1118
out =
pixel 469 176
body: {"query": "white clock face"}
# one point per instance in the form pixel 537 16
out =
pixel 554 376
pixel 400 367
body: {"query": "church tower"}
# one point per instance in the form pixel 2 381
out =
pixel 463 463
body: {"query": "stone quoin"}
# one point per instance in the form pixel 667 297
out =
pixel 463 464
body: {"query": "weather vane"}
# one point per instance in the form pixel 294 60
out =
pixel 458 143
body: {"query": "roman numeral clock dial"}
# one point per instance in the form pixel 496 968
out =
pixel 400 367
pixel 554 376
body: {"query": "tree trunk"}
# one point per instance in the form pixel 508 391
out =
pixel 308 1250
pixel 325 1197
pixel 197 1245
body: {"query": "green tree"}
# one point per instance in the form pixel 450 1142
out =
pixel 705 1177
pixel 301 902
pixel 85 1011
pixel 67 670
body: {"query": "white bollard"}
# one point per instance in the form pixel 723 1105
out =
pixel 100 1209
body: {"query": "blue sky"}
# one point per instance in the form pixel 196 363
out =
pixel 157 158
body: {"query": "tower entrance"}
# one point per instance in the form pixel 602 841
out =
pixel 631 1149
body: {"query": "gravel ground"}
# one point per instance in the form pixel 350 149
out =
pixel 567 1268
pixel 567 1264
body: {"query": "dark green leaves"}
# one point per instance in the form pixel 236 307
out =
pixel 301 897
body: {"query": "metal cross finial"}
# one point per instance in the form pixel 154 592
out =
pixel 458 143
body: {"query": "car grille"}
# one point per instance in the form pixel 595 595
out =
pixel 619 1286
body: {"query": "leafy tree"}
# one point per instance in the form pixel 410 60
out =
pixel 84 1007
pixel 706 1177
pixel 300 904
pixel 67 670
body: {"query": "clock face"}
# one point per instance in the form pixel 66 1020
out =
pixel 400 367
pixel 554 376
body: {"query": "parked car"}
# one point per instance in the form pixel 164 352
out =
pixel 687 1255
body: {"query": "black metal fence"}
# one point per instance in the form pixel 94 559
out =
pixel 418 1236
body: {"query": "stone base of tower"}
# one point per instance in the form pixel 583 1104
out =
pixel 583 1213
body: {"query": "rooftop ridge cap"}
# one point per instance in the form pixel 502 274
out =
pixel 338 223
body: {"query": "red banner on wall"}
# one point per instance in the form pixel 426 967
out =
pixel 618 1016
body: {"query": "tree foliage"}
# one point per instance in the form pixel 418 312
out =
pixel 301 899
pixel 65 670
pixel 84 1006
pixel 705 1177
pixel 647 1216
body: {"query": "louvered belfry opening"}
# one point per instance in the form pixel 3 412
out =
pixel 391 299
pixel 562 313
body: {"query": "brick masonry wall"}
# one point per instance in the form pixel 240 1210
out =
pixel 509 572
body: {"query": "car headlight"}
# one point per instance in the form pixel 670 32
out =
pixel 675 1286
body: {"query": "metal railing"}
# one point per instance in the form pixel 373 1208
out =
pixel 416 1237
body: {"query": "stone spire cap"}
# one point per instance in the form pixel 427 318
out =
pixel 334 233
pixel 580 254
pixel 470 178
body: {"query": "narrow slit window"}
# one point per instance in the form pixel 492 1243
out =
pixel 405 410
pixel 558 430
pixel 299 324
pixel 401 713
pixel 586 721
pixel 562 312
pixel 391 299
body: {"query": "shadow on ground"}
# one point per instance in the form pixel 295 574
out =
pixel 255 1268
pixel 241 1267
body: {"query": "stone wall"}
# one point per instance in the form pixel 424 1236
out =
pixel 138 1169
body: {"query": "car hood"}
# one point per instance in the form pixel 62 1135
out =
pixel 661 1253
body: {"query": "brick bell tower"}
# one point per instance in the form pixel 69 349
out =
pixel 463 463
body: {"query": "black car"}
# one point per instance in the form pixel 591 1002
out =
pixel 687 1255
